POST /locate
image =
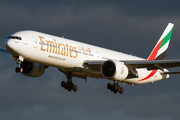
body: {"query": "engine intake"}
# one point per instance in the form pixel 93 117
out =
pixel 32 69
pixel 114 70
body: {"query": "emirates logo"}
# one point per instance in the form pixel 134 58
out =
pixel 122 70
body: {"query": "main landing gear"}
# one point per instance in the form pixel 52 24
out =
pixel 115 88
pixel 69 85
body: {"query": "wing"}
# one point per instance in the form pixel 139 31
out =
pixel 2 50
pixel 149 64
pixel 94 64
pixel 153 64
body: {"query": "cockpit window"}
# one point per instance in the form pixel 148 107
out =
pixel 14 37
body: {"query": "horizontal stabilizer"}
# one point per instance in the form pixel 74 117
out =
pixel 171 73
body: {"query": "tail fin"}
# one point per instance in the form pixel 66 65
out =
pixel 159 51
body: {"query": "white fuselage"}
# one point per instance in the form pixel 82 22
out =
pixel 69 55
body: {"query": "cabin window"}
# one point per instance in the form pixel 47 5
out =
pixel 15 37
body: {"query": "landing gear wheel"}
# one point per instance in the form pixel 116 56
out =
pixel 115 91
pixel 69 85
pixel 121 91
pixel 109 86
pixel 69 89
pixel 66 86
pixel 21 70
pixel 115 87
pixel 75 88
pixel 17 70
pixel 119 88
pixel 63 84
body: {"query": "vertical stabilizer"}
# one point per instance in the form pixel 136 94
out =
pixel 159 51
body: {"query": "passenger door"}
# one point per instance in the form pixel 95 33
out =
pixel 35 42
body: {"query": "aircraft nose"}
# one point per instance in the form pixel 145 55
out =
pixel 8 44
pixel 13 44
pixel 11 47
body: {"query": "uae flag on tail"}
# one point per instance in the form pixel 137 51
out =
pixel 159 51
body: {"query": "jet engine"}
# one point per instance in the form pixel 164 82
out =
pixel 114 70
pixel 31 69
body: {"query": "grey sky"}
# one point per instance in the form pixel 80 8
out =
pixel 126 26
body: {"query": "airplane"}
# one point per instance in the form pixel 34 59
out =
pixel 35 51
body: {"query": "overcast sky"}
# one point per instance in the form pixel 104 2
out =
pixel 129 26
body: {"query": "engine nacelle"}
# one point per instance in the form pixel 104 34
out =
pixel 114 70
pixel 32 69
